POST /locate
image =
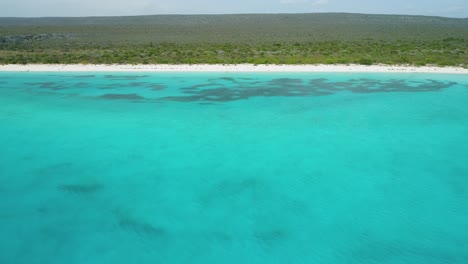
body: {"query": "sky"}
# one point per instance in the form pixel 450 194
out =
pixel 40 8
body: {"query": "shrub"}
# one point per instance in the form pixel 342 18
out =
pixel 366 61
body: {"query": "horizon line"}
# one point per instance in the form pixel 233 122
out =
pixel 228 14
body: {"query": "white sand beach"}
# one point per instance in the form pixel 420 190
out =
pixel 229 68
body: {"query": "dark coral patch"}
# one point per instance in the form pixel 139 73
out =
pixel 141 228
pixel 203 85
pixel 136 84
pixel 152 86
pixel 81 84
pixel 48 85
pixel 285 81
pixel 121 97
pixel 85 76
pixel 374 86
pixel 228 79
pixel 81 188
pixel 125 77
pixel 288 87
pixel 224 94
pixel 157 87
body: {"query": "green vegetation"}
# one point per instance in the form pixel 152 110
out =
pixel 232 39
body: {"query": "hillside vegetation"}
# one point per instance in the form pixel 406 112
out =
pixel 276 38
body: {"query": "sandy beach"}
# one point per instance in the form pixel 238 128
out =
pixel 229 68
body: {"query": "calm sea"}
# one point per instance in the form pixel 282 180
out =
pixel 233 168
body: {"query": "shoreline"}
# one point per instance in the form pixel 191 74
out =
pixel 229 68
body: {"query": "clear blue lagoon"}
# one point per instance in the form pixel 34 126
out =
pixel 233 168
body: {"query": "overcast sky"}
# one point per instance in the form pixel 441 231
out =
pixel 39 8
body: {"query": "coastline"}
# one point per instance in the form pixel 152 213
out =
pixel 228 68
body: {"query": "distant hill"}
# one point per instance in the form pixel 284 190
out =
pixel 241 28
pixel 320 18
pixel 250 38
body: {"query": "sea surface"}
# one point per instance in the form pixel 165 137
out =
pixel 233 168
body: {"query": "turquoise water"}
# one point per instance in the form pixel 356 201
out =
pixel 233 168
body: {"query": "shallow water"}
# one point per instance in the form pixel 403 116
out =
pixel 233 168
